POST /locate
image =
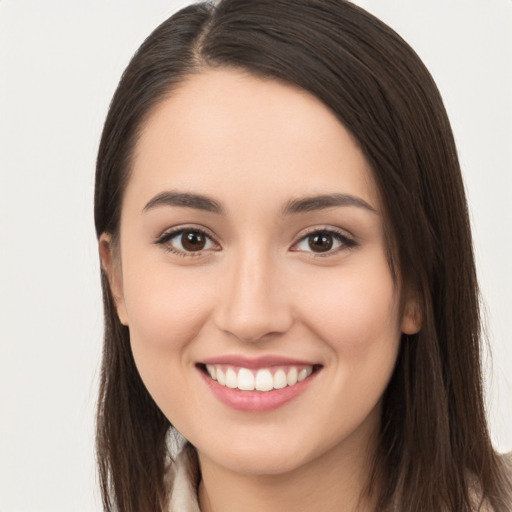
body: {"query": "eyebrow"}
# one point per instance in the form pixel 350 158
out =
pixel 184 199
pixel 295 206
pixel 314 203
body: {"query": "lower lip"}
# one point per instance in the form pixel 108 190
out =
pixel 256 401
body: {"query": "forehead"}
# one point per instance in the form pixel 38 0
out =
pixel 229 133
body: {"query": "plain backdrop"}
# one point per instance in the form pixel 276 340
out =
pixel 59 65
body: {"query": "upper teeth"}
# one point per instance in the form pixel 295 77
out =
pixel 264 379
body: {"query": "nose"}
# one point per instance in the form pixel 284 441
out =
pixel 253 301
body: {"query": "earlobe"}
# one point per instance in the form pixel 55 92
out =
pixel 111 265
pixel 412 318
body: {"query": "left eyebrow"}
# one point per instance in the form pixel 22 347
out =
pixel 184 200
pixel 313 203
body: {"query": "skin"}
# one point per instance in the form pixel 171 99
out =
pixel 258 288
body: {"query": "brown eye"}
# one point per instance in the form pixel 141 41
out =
pixel 193 240
pixel 324 242
pixel 320 242
pixel 187 242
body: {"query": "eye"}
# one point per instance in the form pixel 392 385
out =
pixel 187 241
pixel 323 242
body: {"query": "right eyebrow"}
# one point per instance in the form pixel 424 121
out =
pixel 184 199
pixel 314 203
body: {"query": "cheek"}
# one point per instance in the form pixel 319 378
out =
pixel 356 313
pixel 166 310
pixel 355 307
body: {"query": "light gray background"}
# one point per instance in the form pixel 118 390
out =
pixel 59 64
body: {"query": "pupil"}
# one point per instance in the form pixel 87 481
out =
pixel 193 241
pixel 320 243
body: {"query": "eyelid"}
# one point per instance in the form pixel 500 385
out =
pixel 170 233
pixel 346 240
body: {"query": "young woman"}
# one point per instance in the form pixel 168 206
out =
pixel 288 273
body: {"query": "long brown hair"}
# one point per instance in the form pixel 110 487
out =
pixel 434 440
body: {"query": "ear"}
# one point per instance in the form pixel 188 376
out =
pixel 111 265
pixel 412 317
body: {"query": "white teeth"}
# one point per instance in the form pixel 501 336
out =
pixel 302 375
pixel 291 378
pixel 259 380
pixel 280 379
pixel 220 377
pixel 231 380
pixel 305 372
pixel 245 380
pixel 212 371
pixel 264 380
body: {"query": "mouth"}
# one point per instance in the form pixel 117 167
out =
pixel 263 380
pixel 257 385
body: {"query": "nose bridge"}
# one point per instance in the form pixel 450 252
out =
pixel 252 302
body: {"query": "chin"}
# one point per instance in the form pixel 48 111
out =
pixel 258 461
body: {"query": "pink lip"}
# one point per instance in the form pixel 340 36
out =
pixel 256 362
pixel 255 401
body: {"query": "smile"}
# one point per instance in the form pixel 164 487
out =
pixel 257 386
pixel 263 379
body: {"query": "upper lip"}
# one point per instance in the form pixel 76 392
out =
pixel 256 362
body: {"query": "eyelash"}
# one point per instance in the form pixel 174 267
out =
pixel 169 235
pixel 344 241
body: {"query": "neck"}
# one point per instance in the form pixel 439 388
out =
pixel 336 480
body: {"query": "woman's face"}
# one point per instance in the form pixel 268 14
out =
pixel 252 241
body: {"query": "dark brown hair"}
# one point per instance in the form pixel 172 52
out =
pixel 434 440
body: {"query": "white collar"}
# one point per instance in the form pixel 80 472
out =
pixel 183 480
